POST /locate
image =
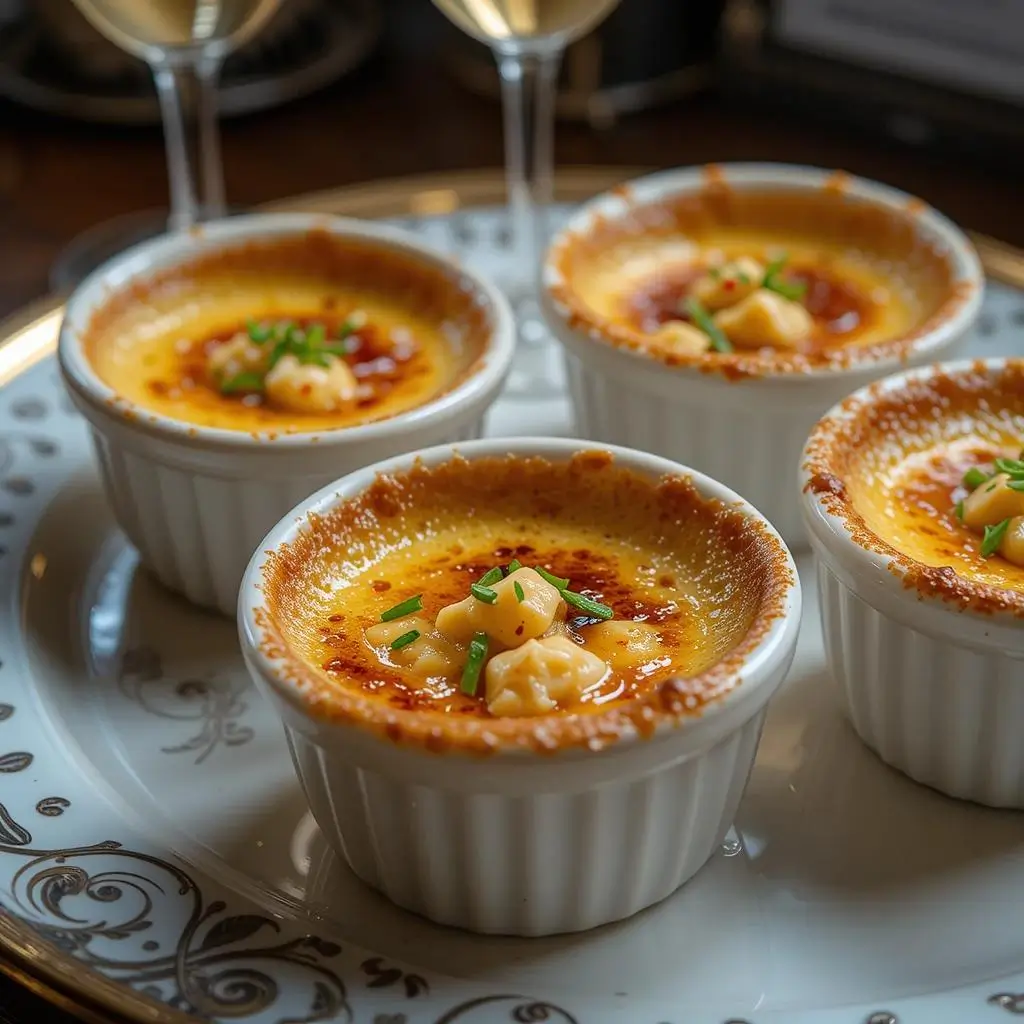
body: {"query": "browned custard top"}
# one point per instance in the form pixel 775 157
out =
pixel 700 582
pixel 303 333
pixel 866 282
pixel 894 471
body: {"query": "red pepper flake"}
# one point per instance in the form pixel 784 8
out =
pixel 729 284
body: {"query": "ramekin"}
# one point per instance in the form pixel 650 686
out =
pixel 932 677
pixel 745 429
pixel 196 501
pixel 518 841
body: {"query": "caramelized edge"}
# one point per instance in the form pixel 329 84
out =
pixel 714 199
pixel 837 434
pixel 670 703
pixel 316 251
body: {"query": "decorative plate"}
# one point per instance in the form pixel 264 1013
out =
pixel 157 859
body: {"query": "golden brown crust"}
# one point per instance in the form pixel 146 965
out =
pixel 849 452
pixel 427 290
pixel 745 560
pixel 829 212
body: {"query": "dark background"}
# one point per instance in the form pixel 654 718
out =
pixel 404 113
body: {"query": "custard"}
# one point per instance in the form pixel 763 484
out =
pixel 857 274
pixel 397 331
pixel 903 468
pixel 681 578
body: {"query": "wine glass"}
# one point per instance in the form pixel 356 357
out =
pixel 184 42
pixel 528 38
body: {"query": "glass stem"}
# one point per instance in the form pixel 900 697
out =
pixel 187 88
pixel 529 81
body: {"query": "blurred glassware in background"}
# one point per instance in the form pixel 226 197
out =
pixel 528 38
pixel 53 58
pixel 646 53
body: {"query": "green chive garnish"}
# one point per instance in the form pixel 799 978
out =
pixel 474 664
pixel 1015 485
pixel 482 593
pixel 242 382
pixel 518 588
pixel 258 333
pixel 974 478
pixel 959 509
pixel 514 565
pixel 772 281
pixel 316 335
pixel 406 607
pixel 993 538
pixel 490 577
pixel 405 639
pixel 743 278
pixel 345 330
pixel 555 581
pixel 702 318
pixel 1013 468
pixel 592 608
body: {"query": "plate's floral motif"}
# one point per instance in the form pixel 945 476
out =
pixel 216 703
pixel 98 904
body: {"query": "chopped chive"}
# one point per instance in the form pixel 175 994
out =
pixel 474 664
pixel 743 278
pixel 482 593
pixel 514 566
pixel 774 268
pixel 242 382
pixel 593 608
pixel 258 333
pixel 555 581
pixel 518 588
pixel 490 577
pixel 975 477
pixel 1013 468
pixel 702 318
pixel 280 349
pixel 959 509
pixel 788 290
pixel 993 538
pixel 345 330
pixel 714 273
pixel 316 334
pixel 406 607
pixel 1015 485
pixel 405 639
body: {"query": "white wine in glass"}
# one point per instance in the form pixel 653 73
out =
pixel 141 26
pixel 184 42
pixel 494 20
pixel 528 38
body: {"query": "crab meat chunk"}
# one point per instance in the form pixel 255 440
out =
pixel 680 337
pixel 428 656
pixel 992 502
pixel 235 356
pixel 508 621
pixel 308 388
pixel 729 283
pixel 1012 544
pixel 533 678
pixel 765 318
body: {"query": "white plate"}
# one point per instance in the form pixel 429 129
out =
pixel 151 828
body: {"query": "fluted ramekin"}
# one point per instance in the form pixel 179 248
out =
pixel 482 827
pixel 195 500
pixel 741 418
pixel 930 664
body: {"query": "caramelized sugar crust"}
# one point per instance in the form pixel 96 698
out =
pixel 842 246
pixel 149 341
pixel 891 472
pixel 712 581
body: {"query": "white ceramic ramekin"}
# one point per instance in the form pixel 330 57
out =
pixel 196 501
pixel 747 432
pixel 517 841
pixel 933 682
